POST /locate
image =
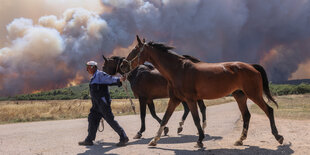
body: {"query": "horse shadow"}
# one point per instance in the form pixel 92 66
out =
pixel 101 147
pixel 282 149
pixel 186 139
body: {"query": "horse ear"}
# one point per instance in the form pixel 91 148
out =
pixel 139 41
pixel 105 59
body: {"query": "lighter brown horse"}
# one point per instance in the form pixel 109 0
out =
pixel 146 77
pixel 190 81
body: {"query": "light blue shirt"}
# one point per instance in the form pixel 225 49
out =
pixel 101 77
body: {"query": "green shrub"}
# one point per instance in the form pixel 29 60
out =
pixel 286 89
pixel 75 92
pixel 82 92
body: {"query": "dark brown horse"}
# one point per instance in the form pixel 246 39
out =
pixel 188 81
pixel 147 84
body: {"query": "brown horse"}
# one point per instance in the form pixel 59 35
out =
pixel 140 80
pixel 188 81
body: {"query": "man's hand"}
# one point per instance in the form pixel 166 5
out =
pixel 123 78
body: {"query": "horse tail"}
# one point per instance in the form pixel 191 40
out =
pixel 265 83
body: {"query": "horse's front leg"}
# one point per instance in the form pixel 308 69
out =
pixel 186 111
pixel 142 102
pixel 193 108
pixel 173 103
pixel 202 108
pixel 153 113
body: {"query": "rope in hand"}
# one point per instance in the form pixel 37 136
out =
pixel 101 121
pixel 132 104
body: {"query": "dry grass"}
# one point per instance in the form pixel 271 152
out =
pixel 290 107
pixel 25 111
pixel 123 106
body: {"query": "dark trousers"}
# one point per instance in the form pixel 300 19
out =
pixel 102 110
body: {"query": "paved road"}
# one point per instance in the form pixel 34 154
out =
pixel 61 137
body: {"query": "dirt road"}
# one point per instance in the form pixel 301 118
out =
pixel 224 127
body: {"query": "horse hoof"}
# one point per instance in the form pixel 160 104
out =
pixel 180 129
pixel 204 125
pixel 280 139
pixel 199 145
pixel 137 136
pixel 152 143
pixel 238 143
pixel 166 130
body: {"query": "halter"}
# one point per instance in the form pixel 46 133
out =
pixel 117 66
pixel 136 57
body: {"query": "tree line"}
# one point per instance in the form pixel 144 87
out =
pixel 82 92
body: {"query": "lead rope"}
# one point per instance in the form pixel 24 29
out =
pixel 125 87
pixel 132 104
pixel 101 121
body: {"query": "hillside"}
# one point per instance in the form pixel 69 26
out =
pixel 294 82
pixel 82 91
pixel 75 92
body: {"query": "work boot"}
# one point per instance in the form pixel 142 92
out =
pixel 123 142
pixel 86 143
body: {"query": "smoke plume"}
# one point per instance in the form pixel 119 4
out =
pixel 273 33
pixel 52 53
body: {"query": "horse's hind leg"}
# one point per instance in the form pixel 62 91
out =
pixel 153 113
pixel 186 111
pixel 193 108
pixel 142 102
pixel 173 103
pixel 202 108
pixel 241 100
pixel 269 112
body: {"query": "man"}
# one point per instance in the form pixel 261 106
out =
pixel 101 104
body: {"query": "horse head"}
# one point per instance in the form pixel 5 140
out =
pixel 133 58
pixel 111 65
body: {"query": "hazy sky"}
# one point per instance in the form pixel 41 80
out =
pixel 45 43
pixel 34 9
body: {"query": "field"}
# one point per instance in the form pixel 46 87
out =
pixel 25 111
pixel 82 92
pixel 290 106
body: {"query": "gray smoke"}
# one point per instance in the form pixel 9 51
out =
pixel 214 31
pixel 51 52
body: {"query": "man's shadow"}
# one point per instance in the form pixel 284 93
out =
pixel 101 147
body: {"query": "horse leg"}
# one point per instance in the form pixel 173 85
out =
pixel 241 100
pixel 259 100
pixel 202 108
pixel 142 117
pixel 153 113
pixel 193 108
pixel 186 111
pixel 173 103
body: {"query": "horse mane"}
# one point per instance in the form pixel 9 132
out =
pixel 166 48
pixel 118 57
pixel 160 46
pixel 191 58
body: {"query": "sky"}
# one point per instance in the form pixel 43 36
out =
pixel 34 9
pixel 44 44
